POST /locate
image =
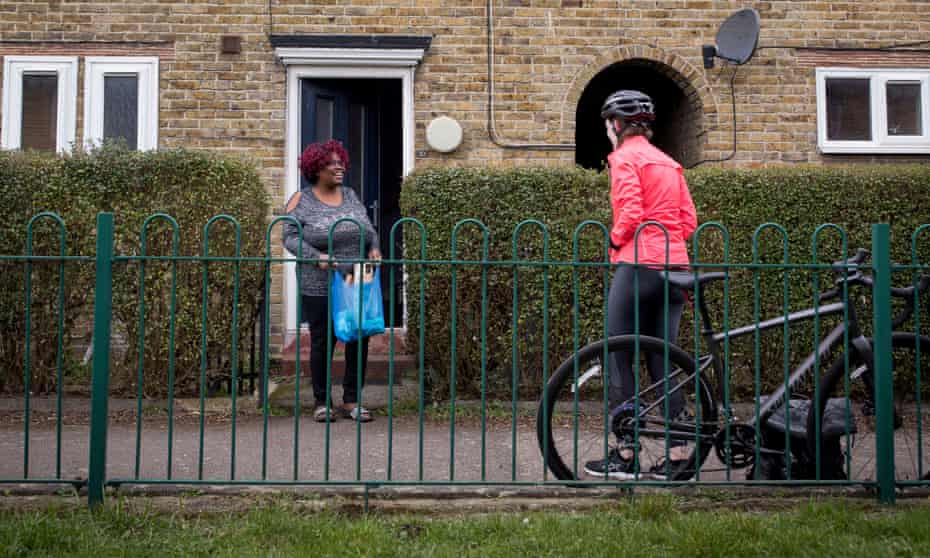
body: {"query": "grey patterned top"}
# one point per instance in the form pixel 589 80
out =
pixel 317 218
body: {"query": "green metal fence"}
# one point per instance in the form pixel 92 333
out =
pixel 785 372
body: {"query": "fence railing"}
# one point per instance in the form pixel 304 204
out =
pixel 784 372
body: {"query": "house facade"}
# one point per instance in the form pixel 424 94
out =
pixel 411 83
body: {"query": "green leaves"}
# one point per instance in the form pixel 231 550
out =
pixel 502 199
pixel 191 187
pixel 799 199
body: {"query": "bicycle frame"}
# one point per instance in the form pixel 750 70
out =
pixel 848 329
pixel 715 341
pixel 752 435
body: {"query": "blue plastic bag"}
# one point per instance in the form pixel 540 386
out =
pixel 345 296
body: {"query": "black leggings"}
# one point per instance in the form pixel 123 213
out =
pixel 653 317
pixel 314 312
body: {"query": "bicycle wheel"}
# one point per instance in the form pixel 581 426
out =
pixel 847 442
pixel 570 422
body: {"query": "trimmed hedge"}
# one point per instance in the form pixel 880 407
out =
pixel 190 187
pixel 800 199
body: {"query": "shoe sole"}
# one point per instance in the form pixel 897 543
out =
pixel 322 417
pixel 362 417
pixel 617 475
pixel 645 475
pixel 661 476
pixel 665 478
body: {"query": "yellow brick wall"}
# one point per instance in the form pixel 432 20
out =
pixel 546 51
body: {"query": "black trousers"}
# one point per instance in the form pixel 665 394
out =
pixel 653 317
pixel 314 311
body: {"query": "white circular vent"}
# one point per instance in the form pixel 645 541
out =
pixel 444 134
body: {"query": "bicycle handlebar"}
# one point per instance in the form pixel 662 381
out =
pixel 856 277
pixel 859 278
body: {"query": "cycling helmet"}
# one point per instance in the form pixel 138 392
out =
pixel 628 104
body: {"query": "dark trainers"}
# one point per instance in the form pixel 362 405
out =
pixel 615 466
pixel 675 470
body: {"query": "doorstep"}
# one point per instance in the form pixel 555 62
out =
pixel 379 358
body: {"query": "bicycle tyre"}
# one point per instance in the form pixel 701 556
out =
pixel 861 467
pixel 558 392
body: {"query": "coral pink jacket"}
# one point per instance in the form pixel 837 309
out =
pixel 648 185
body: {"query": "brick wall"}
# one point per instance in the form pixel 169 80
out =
pixel 546 53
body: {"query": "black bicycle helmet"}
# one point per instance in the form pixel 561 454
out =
pixel 628 105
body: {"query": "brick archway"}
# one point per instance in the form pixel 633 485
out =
pixel 686 109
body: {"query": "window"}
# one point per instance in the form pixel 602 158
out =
pixel 873 111
pixel 39 102
pixel 121 100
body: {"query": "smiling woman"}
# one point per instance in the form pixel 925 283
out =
pixel 318 209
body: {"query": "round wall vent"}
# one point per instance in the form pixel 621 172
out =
pixel 444 134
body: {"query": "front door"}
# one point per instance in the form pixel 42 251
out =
pixel 363 114
pixel 343 110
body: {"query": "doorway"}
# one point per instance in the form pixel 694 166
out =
pixel 365 115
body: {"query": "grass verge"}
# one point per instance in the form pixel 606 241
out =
pixel 656 526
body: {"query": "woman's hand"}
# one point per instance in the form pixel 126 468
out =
pixel 375 254
pixel 325 260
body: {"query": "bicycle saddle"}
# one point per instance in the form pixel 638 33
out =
pixel 686 279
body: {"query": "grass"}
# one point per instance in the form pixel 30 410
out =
pixel 653 526
pixel 465 410
pixel 281 404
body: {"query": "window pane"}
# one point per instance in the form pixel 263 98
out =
pixel 849 115
pixel 40 112
pixel 121 108
pixel 357 149
pixel 324 119
pixel 904 118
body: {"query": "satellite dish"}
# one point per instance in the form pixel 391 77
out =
pixel 736 39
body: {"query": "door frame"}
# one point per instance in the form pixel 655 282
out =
pixel 334 63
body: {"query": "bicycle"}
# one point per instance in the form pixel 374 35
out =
pixel 778 442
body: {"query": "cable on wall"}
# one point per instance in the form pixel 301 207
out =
pixel 492 128
pixel 270 19
pixel 733 110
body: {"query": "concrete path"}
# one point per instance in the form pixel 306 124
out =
pixel 380 450
pixel 345 462
pixel 286 449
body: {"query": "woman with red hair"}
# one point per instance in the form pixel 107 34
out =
pixel 317 208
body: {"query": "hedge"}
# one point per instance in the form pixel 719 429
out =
pixel 799 199
pixel 189 186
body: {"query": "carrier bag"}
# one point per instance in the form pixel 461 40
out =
pixel 348 290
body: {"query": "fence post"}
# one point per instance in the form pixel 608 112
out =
pixel 100 380
pixel 884 386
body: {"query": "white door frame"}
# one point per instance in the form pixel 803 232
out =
pixel 364 63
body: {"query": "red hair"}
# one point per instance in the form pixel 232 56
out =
pixel 317 155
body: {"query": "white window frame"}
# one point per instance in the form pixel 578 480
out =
pixel 145 68
pixel 14 68
pixel 881 142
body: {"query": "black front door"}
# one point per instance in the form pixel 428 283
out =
pixel 365 115
pixel 342 109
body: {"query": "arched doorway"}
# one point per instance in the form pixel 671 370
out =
pixel 678 126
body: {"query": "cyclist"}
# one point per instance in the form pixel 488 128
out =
pixel 646 185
